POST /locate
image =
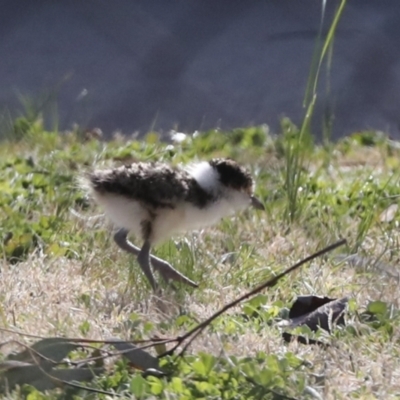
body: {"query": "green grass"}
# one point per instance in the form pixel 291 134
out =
pixel 62 275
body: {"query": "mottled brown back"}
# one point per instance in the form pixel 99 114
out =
pixel 156 185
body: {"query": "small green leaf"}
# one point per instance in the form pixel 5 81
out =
pixel 156 385
pixel 377 307
pixel 208 361
pixel 138 386
pixel 199 368
pixel 352 305
pixel 56 250
pixel 84 327
pixel 177 385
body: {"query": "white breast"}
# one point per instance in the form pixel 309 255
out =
pixel 187 217
pixel 123 212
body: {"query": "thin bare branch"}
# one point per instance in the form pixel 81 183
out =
pixel 270 283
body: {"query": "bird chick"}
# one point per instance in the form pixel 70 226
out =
pixel 155 200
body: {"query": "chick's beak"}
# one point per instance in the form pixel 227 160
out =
pixel 257 203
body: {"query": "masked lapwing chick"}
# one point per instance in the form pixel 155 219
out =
pixel 155 200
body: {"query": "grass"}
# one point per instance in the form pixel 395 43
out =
pixel 63 276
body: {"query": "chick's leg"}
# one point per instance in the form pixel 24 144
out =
pixel 165 269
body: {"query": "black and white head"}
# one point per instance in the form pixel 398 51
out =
pixel 229 181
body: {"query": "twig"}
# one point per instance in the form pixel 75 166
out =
pixel 270 283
